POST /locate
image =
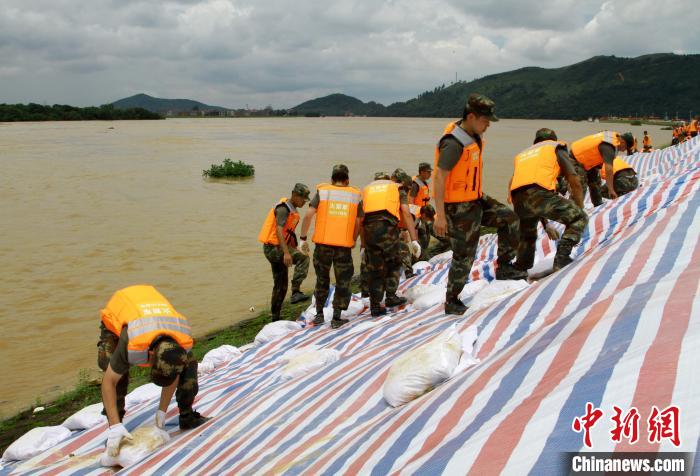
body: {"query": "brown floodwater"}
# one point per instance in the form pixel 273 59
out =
pixel 91 207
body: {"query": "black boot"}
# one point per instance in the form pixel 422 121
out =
pixel 392 301
pixel 298 296
pixel 508 271
pixel 191 419
pixel 378 312
pixel 319 319
pixel 562 257
pixel 455 306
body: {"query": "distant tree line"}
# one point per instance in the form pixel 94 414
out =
pixel 60 112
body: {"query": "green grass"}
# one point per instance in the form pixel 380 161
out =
pixel 229 169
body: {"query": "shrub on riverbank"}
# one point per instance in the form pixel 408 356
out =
pixel 230 169
pixel 59 112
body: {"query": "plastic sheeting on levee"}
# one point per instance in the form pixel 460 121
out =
pixel 616 327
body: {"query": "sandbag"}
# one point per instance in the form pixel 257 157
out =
pixel 302 361
pixel 275 330
pixel 35 441
pixel 429 299
pixel 146 440
pixel 355 308
pixel 470 289
pixel 144 393
pixel 421 266
pixel 468 358
pixel 89 417
pixel 419 370
pixel 414 292
pixel 215 358
pixel 541 268
pixel 496 291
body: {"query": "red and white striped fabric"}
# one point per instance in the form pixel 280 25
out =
pixel 619 326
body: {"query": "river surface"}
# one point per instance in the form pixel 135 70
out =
pixel 91 207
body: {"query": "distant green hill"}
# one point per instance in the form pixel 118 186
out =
pixel 600 86
pixel 162 106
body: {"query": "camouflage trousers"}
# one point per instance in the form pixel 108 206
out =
pixel 533 203
pixel 625 181
pixel 590 179
pixel 280 274
pixel 340 258
pixel 383 261
pixel 405 253
pixel 187 386
pixel 464 220
pixel 423 232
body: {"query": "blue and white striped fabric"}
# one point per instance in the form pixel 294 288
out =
pixel 619 326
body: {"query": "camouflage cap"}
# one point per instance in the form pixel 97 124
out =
pixel 427 210
pixel 424 166
pixel 545 134
pixel 169 361
pixel 301 190
pixel 628 138
pixel 381 176
pixel 402 177
pixel 481 106
pixel 340 168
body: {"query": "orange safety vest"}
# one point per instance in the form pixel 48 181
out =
pixel 423 196
pixel 537 165
pixel 336 215
pixel 646 141
pixel 618 165
pixel 693 127
pixel 381 195
pixel 675 132
pixel 147 315
pixel 586 149
pixel 463 184
pixel 268 232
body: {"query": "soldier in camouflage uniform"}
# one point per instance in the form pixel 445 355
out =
pixel 168 361
pixel 364 274
pixel 281 256
pixel 533 202
pixel 458 156
pixel 381 237
pixel 325 255
pixel 625 181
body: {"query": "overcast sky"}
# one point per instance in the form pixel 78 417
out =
pixel 257 52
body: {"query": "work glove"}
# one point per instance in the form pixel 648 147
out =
pixel 414 246
pixel 552 232
pixel 160 419
pixel 304 247
pixel 362 254
pixel 115 435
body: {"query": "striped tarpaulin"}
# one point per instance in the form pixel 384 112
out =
pixel 619 327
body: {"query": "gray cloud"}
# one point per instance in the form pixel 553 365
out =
pixel 238 52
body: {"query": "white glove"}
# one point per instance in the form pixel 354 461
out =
pixel 160 419
pixel 115 435
pixel 304 247
pixel 362 254
pixel 415 248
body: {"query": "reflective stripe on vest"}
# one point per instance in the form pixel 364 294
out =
pixel 336 215
pixel 147 315
pixel 381 195
pixel 586 149
pixel 618 165
pixel 463 183
pixel 268 232
pixel 537 165
pixel 693 127
pixel 422 198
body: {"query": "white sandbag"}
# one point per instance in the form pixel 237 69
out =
pixel 470 289
pixel 541 268
pixel 141 394
pixel 35 441
pixel 275 330
pixel 429 299
pixel 417 371
pixel 146 440
pixel 355 308
pixel 414 292
pixel 468 358
pixel 89 417
pixel 302 361
pixel 215 358
pixel 419 266
pixel 496 291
